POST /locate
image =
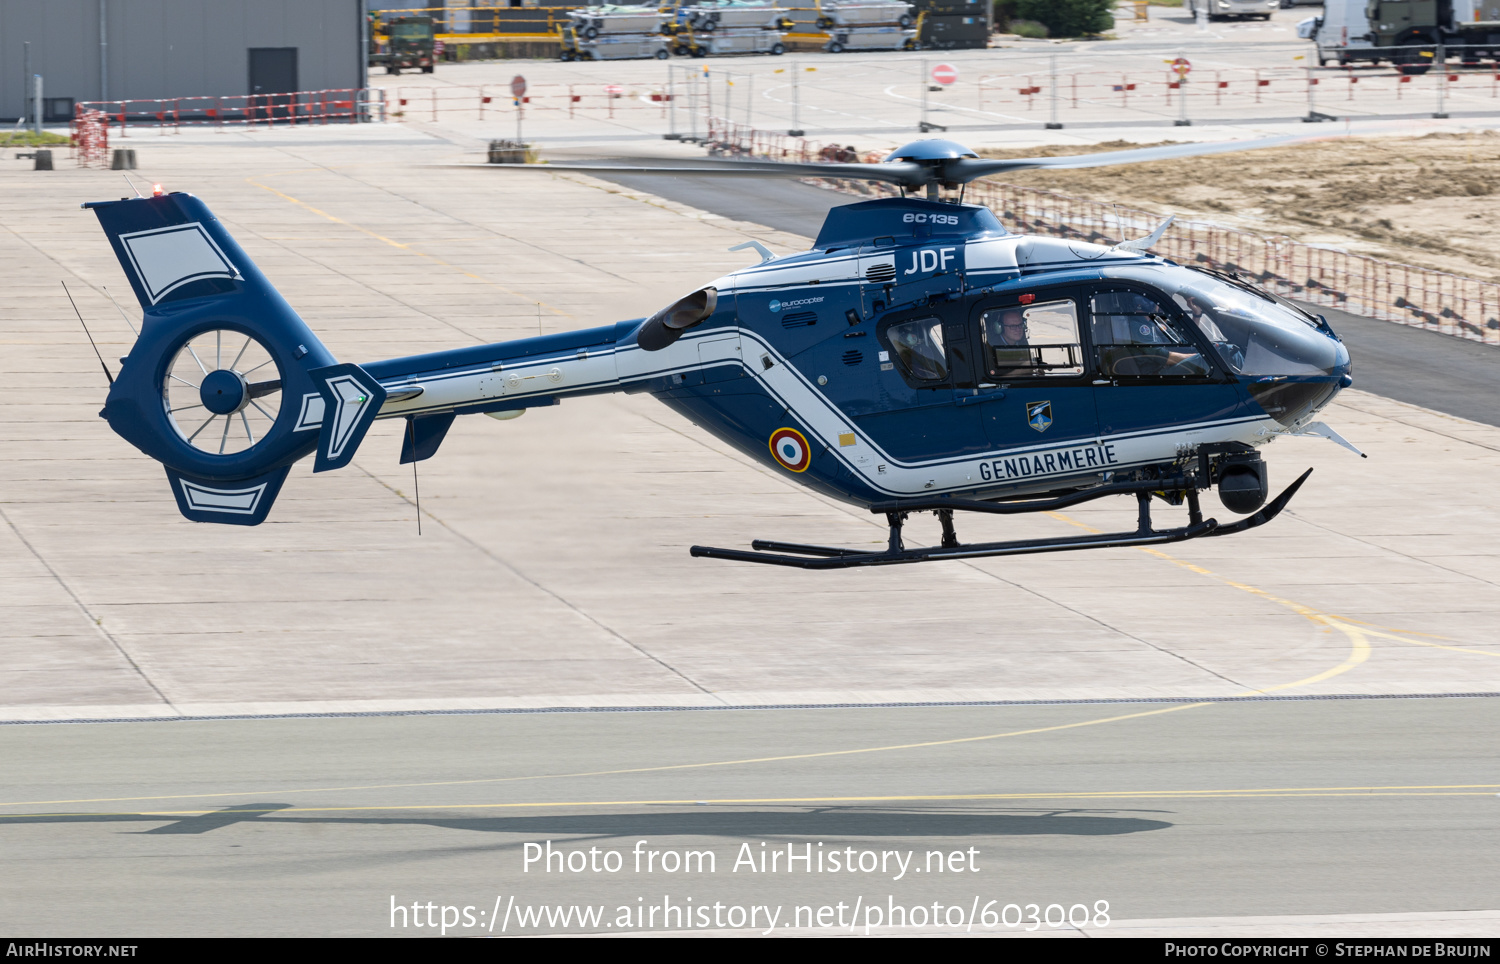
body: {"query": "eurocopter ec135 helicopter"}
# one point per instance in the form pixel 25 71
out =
pixel 919 358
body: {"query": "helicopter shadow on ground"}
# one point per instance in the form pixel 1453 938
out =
pixel 819 822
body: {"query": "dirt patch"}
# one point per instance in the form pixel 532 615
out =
pixel 1432 201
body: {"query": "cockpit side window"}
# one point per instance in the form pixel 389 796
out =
pixel 918 347
pixel 1032 341
pixel 1136 337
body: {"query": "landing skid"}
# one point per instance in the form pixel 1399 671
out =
pixel 896 552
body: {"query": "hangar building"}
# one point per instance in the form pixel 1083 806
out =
pixel 90 50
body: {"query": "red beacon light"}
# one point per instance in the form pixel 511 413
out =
pixel 156 190
pixel 1027 299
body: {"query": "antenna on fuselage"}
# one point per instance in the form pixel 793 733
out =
pixel 416 490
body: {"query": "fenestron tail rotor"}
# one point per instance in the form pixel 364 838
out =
pixel 222 391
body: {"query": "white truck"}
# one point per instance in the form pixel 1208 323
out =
pixel 1341 33
pixel 1220 9
pixel 1404 32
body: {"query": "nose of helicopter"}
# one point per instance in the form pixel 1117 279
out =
pixel 1314 369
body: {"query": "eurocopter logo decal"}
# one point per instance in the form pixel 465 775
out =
pixel 776 306
pixel 789 449
pixel 1039 415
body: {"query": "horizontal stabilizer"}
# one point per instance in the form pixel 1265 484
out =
pixel 243 502
pixel 424 433
pixel 351 400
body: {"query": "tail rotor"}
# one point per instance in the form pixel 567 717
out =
pixel 225 385
pixel 222 391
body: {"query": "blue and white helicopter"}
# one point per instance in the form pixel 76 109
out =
pixel 920 358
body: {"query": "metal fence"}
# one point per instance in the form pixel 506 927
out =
pixel 1362 285
pixel 345 105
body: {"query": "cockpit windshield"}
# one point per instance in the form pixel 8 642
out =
pixel 1254 335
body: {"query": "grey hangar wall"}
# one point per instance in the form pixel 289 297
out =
pixel 174 48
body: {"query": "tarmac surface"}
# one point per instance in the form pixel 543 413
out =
pixel 552 572
pixel 1139 819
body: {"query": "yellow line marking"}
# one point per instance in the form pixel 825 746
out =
pixel 658 769
pixel 1359 644
pixel 407 247
pixel 1418 642
pixel 1359 652
pixel 1436 790
pixel 1355 629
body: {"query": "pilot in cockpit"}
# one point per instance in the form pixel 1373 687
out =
pixel 1011 330
pixel 1008 339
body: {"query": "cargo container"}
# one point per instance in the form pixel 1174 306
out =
pixel 954 32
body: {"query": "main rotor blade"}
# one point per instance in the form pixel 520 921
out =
pixel 964 169
pixel 898 172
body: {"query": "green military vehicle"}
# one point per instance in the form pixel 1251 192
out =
pixel 403 43
pixel 1461 23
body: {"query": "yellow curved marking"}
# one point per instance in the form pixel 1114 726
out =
pixel 1436 790
pixel 658 769
pixel 1359 643
pixel 1418 642
pixel 1359 650
pixel 405 247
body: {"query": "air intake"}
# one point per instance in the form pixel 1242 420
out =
pixel 799 319
pixel 853 357
pixel 880 273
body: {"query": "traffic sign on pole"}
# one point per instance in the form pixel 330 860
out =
pixel 945 74
pixel 1183 68
pixel 518 91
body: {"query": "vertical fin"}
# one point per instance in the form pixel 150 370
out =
pixel 351 400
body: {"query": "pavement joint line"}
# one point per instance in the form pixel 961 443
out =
pixel 1360 645
pixel 1306 520
pixel 757 707
pixel 441 216
pixel 485 551
pixel 974 565
pixel 1427 428
pixel 96 621
pixel 1452 790
pixel 304 255
pixel 409 247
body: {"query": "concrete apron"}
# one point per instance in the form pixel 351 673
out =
pixel 553 568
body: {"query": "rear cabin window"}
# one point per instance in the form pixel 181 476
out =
pixel 1032 340
pixel 918 346
pixel 1137 338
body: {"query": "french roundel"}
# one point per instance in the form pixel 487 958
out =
pixel 790 450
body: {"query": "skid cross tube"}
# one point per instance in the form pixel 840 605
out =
pixel 802 556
